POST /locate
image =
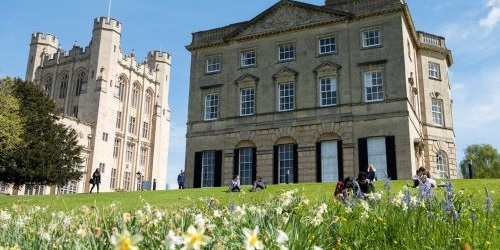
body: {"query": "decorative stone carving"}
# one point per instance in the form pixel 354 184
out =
pixel 286 17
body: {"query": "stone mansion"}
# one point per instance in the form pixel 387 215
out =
pixel 308 93
pixel 117 105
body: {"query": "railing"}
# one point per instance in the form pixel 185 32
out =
pixel 431 39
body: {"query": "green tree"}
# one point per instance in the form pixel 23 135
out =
pixel 11 123
pixel 485 161
pixel 49 154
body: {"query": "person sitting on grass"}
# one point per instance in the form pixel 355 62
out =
pixel 364 186
pixel 343 188
pixel 259 184
pixel 235 184
pixel 423 176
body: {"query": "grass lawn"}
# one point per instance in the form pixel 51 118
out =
pixel 295 217
pixel 128 201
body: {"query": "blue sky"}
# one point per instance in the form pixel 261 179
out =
pixel 471 29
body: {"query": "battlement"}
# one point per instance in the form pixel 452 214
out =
pixel 160 56
pixel 109 24
pixel 45 39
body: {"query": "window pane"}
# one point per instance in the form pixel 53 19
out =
pixel 328 91
pixel 286 97
pixel 377 155
pixel 326 45
pixel 211 107
pixel 245 165
pixel 373 81
pixel 285 161
pixel 247 101
pixel 208 169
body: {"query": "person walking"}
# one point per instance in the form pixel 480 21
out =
pixel 96 180
pixel 180 180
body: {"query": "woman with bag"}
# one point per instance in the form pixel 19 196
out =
pixel 95 180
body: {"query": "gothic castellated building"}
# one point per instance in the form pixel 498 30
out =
pixel 118 106
pixel 307 93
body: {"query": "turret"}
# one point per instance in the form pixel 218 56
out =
pixel 40 46
pixel 160 63
pixel 105 47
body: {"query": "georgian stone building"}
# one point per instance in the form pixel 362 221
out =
pixel 307 93
pixel 119 106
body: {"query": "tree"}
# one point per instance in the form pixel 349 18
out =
pixel 485 161
pixel 49 154
pixel 11 123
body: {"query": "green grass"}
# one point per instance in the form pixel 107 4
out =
pixel 129 201
pixel 307 213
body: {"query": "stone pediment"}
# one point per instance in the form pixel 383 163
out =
pixel 285 16
pixel 246 80
pixel 285 75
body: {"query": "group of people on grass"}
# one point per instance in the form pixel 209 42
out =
pixel 359 186
pixel 258 184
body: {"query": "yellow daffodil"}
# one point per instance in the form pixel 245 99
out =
pixel 252 240
pixel 194 239
pixel 124 241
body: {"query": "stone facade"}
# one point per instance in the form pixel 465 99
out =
pixel 125 103
pixel 307 93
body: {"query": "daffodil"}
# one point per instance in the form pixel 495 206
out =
pixel 172 240
pixel 252 240
pixel 124 241
pixel 282 237
pixel 194 239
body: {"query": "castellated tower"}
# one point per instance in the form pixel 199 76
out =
pixel 123 102
pixel 40 46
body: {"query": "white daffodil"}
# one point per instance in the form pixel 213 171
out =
pixel 194 239
pixel 217 213
pixel 199 221
pixel 252 240
pixel 282 237
pixel 172 240
pixel 124 241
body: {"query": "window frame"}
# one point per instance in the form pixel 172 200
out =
pixel 290 97
pixel 245 165
pixel 320 46
pixel 145 130
pixel 208 166
pixel 213 64
pixel 442 165
pixel 131 124
pixel 249 98
pixel 437 115
pixel 365 39
pixel 365 87
pixel 215 106
pixel 285 52
pixel 335 94
pixel 283 149
pixel 244 59
pixel 434 73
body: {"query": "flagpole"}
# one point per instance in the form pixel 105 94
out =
pixel 109 9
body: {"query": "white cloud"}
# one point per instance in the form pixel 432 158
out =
pixel 493 15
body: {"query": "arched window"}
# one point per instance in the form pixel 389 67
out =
pixel 47 83
pixel 442 165
pixel 120 88
pixel 148 103
pixel 64 86
pixel 81 83
pixel 135 96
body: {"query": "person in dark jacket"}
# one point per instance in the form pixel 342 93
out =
pixel 96 180
pixel 180 180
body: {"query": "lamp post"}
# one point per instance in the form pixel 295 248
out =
pixel 139 184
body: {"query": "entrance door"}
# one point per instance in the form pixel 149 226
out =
pixel 329 161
